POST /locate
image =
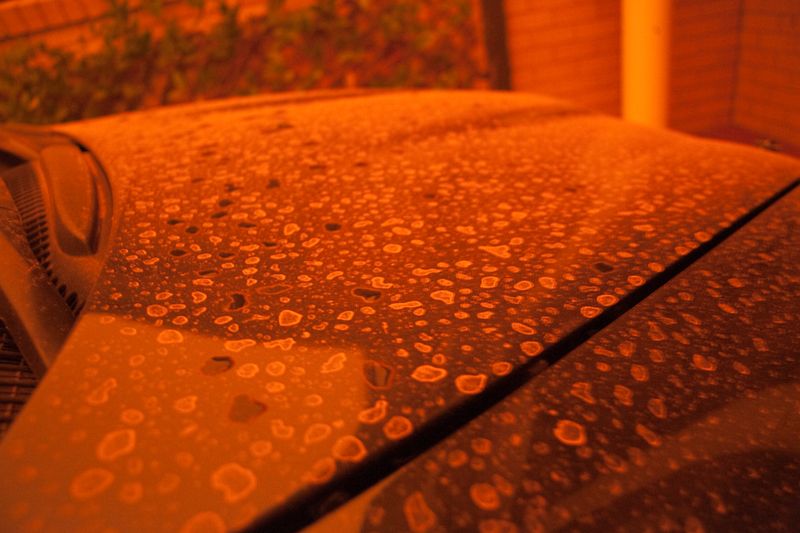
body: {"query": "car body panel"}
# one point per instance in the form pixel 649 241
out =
pixel 300 293
pixel 680 416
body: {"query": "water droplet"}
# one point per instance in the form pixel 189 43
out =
pixel 132 416
pixel 736 282
pixel 447 297
pixel 283 344
pixel 741 368
pixel 501 368
pixel 237 301
pixel 245 408
pixel 239 345
pixel 422 347
pixel 704 363
pixel 481 446
pixel 457 458
pixel 570 433
pixel 205 522
pixel 235 481
pixel 198 297
pixel 90 483
pixel 531 348
pixel 523 285
pixel 322 471
pixel 497 251
pixel 428 373
pixel 489 282
pixel 471 383
pixel 334 363
pixel 406 305
pixel 170 336
pixel 115 444
pixel 583 390
pixel 590 311
pixel 607 300
pixel 524 329
pixel 156 310
pixel 640 372
pixel 393 248
pixel 377 375
pixel 185 405
pixel 280 429
pixel 603 267
pixel 275 368
pixel 131 493
pixel 100 394
pixel 636 281
pixel 275 387
pixel 289 318
pixel 271 290
pixel 655 332
pixel 349 449
pixel 374 414
pixel 623 394
pixel 247 370
pixel 419 516
pixel 368 295
pixel 657 407
pixel 261 448
pixel 316 433
pixel 485 496
pixel 648 434
pixel 217 365
pixel 760 344
pixel 398 427
pixel 547 282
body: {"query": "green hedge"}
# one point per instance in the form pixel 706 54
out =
pixel 332 43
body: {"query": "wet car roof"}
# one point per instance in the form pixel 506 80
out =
pixel 300 293
pixel 681 415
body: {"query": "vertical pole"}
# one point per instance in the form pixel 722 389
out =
pixel 494 33
pixel 645 61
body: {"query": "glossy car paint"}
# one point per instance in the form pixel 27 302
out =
pixel 301 293
pixel 680 416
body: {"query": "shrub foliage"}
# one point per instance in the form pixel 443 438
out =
pixel 328 44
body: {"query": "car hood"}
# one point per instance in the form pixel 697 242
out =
pixel 305 293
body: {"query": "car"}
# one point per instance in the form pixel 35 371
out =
pixel 381 310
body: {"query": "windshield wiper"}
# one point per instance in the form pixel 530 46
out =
pixel 54 208
pixel 37 319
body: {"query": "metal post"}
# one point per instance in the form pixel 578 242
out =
pixel 645 61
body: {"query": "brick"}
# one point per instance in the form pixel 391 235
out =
pixel 11 21
pixel 48 12
pixel 768 90
pixel 93 9
pixel 704 11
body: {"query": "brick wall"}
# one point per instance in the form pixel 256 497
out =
pixel 768 87
pixel 67 23
pixel 28 18
pixel 566 48
pixel 705 40
pixel 733 62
